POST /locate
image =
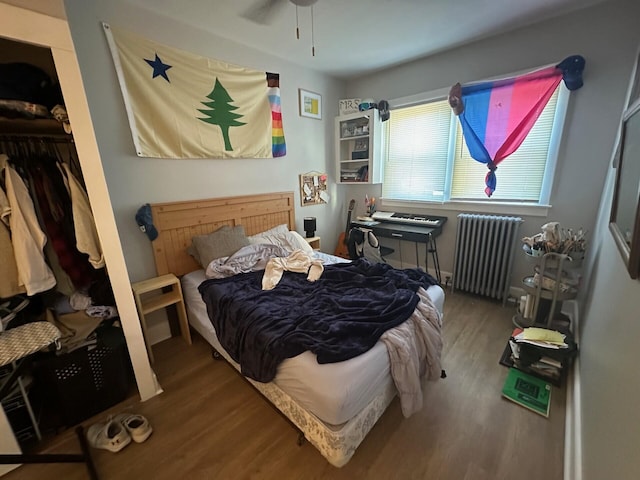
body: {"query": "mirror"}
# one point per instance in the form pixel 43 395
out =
pixel 625 210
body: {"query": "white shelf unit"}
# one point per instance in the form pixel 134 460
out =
pixel 359 147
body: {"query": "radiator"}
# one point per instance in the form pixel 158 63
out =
pixel 485 246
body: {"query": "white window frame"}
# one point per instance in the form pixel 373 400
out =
pixel 487 206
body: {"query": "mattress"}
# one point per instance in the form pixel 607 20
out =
pixel 333 392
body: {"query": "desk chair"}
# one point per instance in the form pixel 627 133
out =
pixel 16 346
pixel 362 242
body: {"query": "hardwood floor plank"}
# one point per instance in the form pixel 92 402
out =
pixel 209 423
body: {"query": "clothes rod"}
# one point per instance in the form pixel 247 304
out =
pixel 30 138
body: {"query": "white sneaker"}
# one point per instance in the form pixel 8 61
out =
pixel 136 425
pixel 110 436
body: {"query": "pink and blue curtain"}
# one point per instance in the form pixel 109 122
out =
pixel 497 116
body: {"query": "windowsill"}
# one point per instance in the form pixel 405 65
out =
pixel 495 208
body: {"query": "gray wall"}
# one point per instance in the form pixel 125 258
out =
pixel 610 330
pixel 133 181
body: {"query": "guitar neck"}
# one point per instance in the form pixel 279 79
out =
pixel 346 228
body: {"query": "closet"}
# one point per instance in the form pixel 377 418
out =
pixel 40 173
pixel 26 28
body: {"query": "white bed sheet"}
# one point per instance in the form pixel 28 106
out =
pixel 334 392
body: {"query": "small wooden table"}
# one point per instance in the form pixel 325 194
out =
pixel 314 242
pixel 151 303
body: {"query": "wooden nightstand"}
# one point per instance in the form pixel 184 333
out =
pixel 151 303
pixel 314 242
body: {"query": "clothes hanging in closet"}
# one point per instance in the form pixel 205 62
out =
pixel 9 283
pixel 57 210
pixel 58 225
pixel 85 228
pixel 26 236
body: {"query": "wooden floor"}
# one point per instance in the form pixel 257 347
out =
pixel 211 424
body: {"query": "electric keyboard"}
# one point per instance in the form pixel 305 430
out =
pixel 407 218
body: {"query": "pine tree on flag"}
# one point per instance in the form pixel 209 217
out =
pixel 221 112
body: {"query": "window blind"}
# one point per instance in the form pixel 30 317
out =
pixel 417 151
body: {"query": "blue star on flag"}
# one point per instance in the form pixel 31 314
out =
pixel 159 68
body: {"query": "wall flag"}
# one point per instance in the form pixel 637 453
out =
pixel 182 105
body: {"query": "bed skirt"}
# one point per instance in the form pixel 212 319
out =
pixel 336 443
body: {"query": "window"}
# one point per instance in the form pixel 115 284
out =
pixel 427 159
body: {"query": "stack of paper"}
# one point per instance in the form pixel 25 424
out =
pixel 534 359
pixel 541 337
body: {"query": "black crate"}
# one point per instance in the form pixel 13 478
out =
pixel 82 383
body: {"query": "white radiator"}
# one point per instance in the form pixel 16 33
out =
pixel 485 245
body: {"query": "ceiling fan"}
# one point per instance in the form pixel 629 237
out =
pixel 262 11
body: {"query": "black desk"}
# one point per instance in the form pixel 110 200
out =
pixel 411 233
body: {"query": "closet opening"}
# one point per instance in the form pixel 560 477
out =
pixel 53 269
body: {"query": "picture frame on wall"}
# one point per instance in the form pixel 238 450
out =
pixel 310 104
pixel 313 189
pixel 624 219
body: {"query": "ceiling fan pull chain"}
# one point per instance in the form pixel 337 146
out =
pixel 297 29
pixel 313 42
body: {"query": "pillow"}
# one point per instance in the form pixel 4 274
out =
pixel 289 240
pixel 223 242
pixel 284 228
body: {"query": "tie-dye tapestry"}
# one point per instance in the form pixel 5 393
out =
pixel 497 116
pixel 182 105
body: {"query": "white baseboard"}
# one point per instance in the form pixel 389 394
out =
pixel 573 409
pixel 516 292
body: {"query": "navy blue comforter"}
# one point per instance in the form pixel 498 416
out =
pixel 340 316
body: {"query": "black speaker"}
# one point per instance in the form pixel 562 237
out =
pixel 310 226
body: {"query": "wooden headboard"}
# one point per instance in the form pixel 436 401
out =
pixel 178 222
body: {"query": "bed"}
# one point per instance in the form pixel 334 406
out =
pixel 334 405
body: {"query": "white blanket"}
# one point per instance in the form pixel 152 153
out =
pixel 298 261
pixel 414 350
pixel 248 259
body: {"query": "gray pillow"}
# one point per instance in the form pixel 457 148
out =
pixel 223 242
